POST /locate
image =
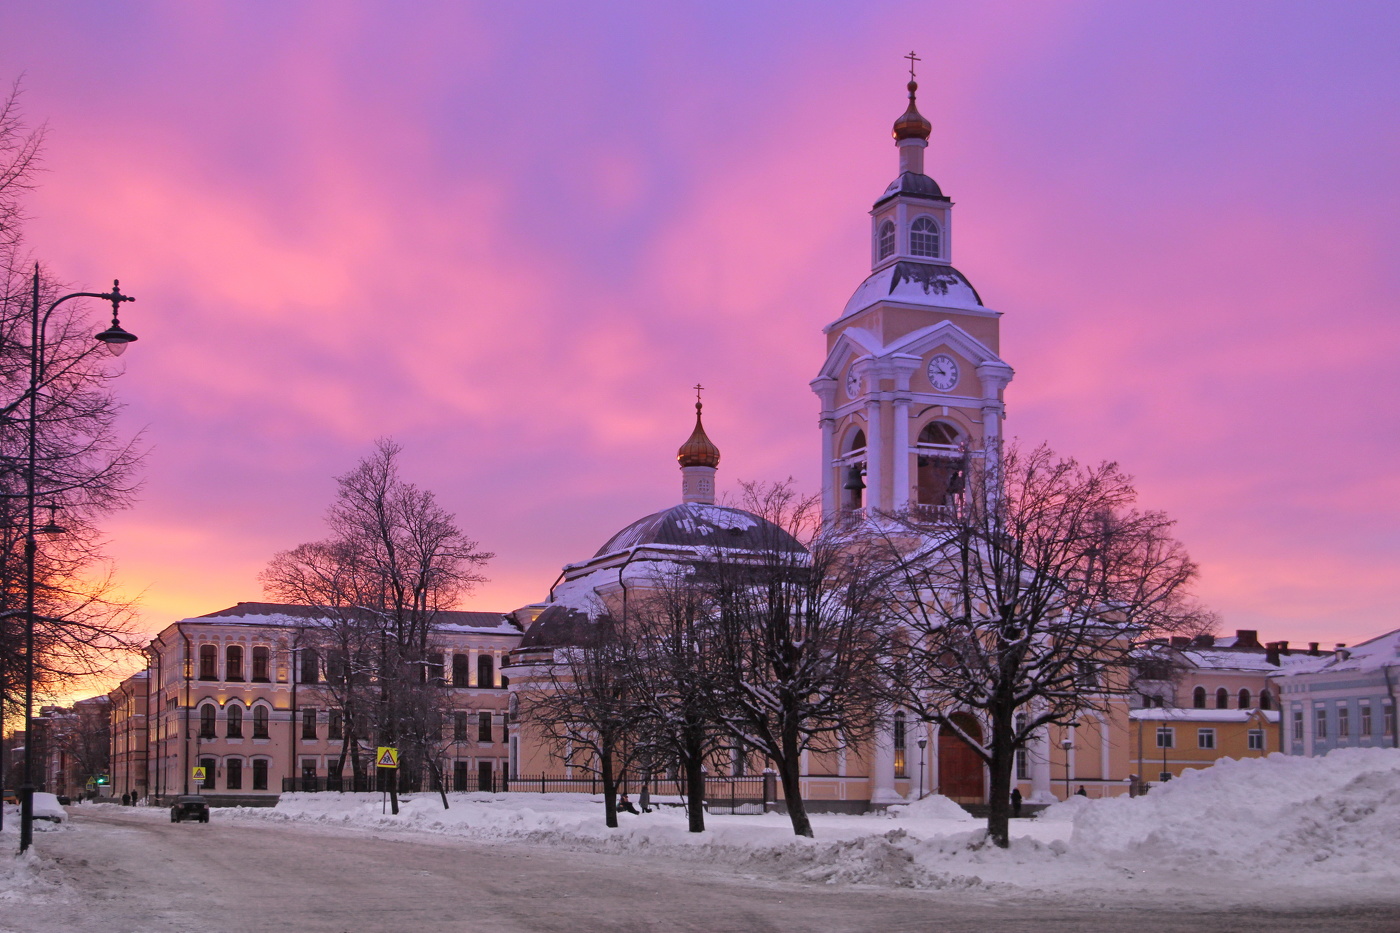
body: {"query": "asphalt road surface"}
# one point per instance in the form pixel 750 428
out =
pixel 118 871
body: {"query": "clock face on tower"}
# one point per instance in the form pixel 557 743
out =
pixel 852 384
pixel 943 372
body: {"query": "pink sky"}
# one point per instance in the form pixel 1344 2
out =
pixel 512 236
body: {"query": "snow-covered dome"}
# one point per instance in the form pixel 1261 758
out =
pixel 921 283
pixel 696 525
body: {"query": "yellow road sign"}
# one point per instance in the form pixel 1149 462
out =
pixel 199 773
pixel 386 757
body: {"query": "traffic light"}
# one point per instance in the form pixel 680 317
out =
pixel 102 779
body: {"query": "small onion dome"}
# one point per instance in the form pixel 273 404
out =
pixel 911 124
pixel 698 450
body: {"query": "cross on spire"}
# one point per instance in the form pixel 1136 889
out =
pixel 697 387
pixel 912 59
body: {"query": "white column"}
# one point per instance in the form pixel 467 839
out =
pixel 825 388
pixel 900 451
pixel 882 792
pixel 874 452
pixel 1038 755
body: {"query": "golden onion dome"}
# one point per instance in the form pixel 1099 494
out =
pixel 911 124
pixel 698 450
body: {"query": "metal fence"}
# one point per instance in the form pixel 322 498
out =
pixel 732 792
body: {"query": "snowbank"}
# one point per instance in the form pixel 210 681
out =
pixel 1277 830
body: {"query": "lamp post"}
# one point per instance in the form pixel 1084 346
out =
pixel 923 744
pixel 115 339
pixel 1067 744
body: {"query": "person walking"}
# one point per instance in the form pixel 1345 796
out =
pixel 1016 801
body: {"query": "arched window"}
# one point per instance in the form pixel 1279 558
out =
pixel 857 442
pixel 901 728
pixel 206 721
pixel 1222 698
pixel 1265 701
pixel 1244 699
pixel 923 237
pixel 1198 698
pixel 260 722
pixel 310 666
pixel 208 662
pixel 886 239
pixel 233 662
pixel 461 670
pixel 485 671
pixel 261 664
pixel 234 718
pixel 940 476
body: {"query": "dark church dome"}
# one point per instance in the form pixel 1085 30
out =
pixel 693 525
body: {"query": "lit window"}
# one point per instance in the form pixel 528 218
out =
pixel 1205 738
pixel 886 239
pixel 923 237
pixel 901 767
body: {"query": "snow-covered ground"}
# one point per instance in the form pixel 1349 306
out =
pixel 1276 830
pixel 1280 832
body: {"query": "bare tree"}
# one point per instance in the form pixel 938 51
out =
pixel 84 735
pixel 83 469
pixel 395 560
pixel 1023 605
pixel 584 702
pixel 793 639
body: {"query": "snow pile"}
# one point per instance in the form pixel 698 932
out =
pixel 934 806
pixel 1338 814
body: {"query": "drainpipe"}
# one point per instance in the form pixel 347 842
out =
pixel 160 721
pixel 293 674
pixel 189 669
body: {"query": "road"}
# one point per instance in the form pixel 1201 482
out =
pixel 127 871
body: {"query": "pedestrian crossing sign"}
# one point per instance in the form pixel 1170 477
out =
pixel 199 774
pixel 386 757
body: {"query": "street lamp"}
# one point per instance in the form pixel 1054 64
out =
pixel 115 339
pixel 923 744
pixel 1067 744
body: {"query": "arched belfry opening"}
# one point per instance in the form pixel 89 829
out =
pixel 942 464
pixel 853 473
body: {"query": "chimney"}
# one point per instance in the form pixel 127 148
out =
pixel 1204 641
pixel 1312 648
pixel 1180 641
pixel 1247 638
pixel 1283 648
pixel 1341 653
pixel 1272 656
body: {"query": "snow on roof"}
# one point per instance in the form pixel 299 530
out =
pixel 930 284
pixel 1164 714
pixel 1236 660
pixel 286 614
pixel 1381 651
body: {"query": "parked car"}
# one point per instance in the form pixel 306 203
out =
pixel 65 800
pixel 192 807
pixel 47 807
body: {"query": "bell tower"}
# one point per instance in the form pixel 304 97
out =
pixel 911 389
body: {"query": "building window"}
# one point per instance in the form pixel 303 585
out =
pixel 1297 725
pixel 1265 700
pixel 886 246
pixel 208 662
pixel 310 666
pixel 483 727
pixel 901 765
pixel 210 767
pixel 261 664
pixel 336 729
pixel 1343 722
pixel 259 774
pixel 206 721
pixel 1205 738
pixel 1166 737
pixel 485 671
pixel 234 728
pixel 1222 698
pixel 1365 717
pixel 1022 769
pixel 1198 698
pixel 461 670
pixel 1388 713
pixel 1244 699
pixel 461 776
pixel 923 237
pixel 1256 740
pixel 308 724
pixel 461 728
pixel 233 774
pixel 1320 729
pixel 337 668
pixel 233 662
pixel 260 722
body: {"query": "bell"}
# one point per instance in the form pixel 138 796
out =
pixel 853 478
